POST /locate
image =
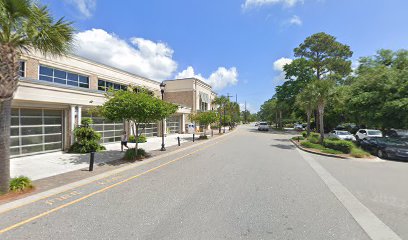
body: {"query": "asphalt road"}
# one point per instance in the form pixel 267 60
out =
pixel 246 185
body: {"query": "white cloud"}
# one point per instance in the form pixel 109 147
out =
pixel 295 20
pixel 86 7
pixel 259 3
pixel 219 79
pixel 139 56
pixel 278 66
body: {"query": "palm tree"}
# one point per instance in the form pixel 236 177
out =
pixel 306 101
pixel 24 26
pixel 323 92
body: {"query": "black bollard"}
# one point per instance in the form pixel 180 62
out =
pixel 212 133
pixel 91 162
pixel 193 137
pixel 178 139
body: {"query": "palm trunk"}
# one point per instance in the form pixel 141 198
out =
pixel 9 65
pixel 321 114
pixel 5 119
pixel 308 122
pixel 317 118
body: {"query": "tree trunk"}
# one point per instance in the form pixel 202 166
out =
pixel 308 122
pixel 136 138
pixel 219 127
pixel 5 119
pixel 280 119
pixel 317 118
pixel 321 115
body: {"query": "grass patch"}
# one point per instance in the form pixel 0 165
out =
pixel 307 144
pixel 298 138
pixel 331 151
pixel 359 153
pixel 20 184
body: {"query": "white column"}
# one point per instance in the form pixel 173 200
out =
pixel 183 124
pixel 72 124
pixel 79 114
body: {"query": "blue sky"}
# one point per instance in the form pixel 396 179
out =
pixel 238 46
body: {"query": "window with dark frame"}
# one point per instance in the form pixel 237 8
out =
pixel 54 75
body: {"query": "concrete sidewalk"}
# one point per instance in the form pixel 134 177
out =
pixel 50 164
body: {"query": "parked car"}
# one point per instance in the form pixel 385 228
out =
pixel 392 148
pixel 396 133
pixel 298 127
pixel 263 126
pixel 365 133
pixel 343 135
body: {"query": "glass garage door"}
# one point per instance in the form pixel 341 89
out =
pixel 149 131
pixel 110 131
pixel 35 131
pixel 173 124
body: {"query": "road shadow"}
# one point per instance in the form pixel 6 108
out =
pixel 283 132
pixel 283 146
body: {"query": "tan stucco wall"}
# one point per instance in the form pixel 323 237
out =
pixel 183 98
pixel 31 68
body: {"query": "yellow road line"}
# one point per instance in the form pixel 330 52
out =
pixel 98 191
pixel 80 185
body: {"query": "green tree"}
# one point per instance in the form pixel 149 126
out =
pixel 323 90
pixel 221 103
pixel 379 91
pixel 205 118
pixel 137 107
pixel 329 60
pixel 306 101
pixel 24 26
pixel 325 55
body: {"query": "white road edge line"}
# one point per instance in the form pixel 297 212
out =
pixel 371 224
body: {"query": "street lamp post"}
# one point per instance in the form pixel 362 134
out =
pixel 162 86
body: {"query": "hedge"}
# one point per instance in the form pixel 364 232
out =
pixel 340 145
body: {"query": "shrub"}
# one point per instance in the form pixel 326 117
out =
pixel 298 138
pixel 203 137
pixel 304 134
pixel 142 139
pixel 339 145
pixel 359 153
pixel 20 184
pixel 316 135
pixel 87 139
pixel 131 154
pixel 313 139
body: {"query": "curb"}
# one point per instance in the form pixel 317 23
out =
pixel 318 153
pixel 51 192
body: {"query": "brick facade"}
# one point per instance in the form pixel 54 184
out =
pixel 185 98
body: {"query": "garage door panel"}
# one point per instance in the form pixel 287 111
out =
pixel 33 129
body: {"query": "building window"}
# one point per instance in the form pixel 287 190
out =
pixel 204 100
pixel 21 70
pixel 63 77
pixel 106 85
